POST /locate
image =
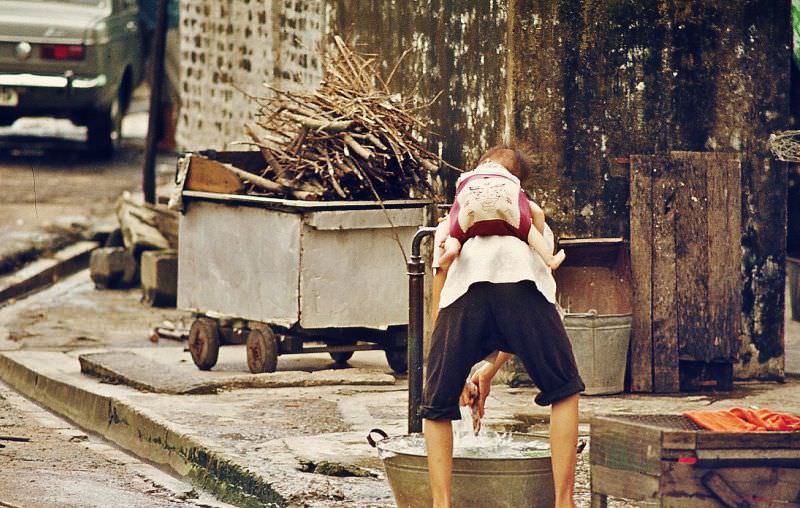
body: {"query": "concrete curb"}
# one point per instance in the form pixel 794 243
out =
pixel 46 271
pixel 142 434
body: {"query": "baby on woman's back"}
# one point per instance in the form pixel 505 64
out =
pixel 490 201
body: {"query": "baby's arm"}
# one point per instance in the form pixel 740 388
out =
pixel 537 214
pixel 537 241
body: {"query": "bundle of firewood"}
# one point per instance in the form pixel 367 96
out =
pixel 352 138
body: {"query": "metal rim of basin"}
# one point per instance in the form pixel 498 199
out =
pixel 204 342
pixel 262 350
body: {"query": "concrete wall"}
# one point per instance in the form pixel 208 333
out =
pixel 587 83
pixel 230 48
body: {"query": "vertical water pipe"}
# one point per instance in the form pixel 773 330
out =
pixel 416 320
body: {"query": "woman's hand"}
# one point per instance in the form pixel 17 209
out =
pixel 482 379
pixel 469 394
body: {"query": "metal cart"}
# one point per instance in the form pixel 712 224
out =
pixel 276 274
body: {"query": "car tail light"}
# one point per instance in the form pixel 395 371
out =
pixel 63 52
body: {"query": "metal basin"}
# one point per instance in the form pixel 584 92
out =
pixel 477 481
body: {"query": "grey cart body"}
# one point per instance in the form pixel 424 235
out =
pixel 277 273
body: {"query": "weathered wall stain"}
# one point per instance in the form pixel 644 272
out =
pixel 604 79
pixel 591 82
pixel 459 50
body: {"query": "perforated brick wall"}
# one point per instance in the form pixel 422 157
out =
pixel 229 48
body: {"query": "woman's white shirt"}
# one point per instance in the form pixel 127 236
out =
pixel 495 259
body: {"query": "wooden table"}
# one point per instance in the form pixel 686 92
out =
pixel 668 461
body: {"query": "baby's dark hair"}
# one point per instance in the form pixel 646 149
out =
pixel 515 156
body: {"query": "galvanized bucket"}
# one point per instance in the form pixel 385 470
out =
pixel 600 344
pixel 477 482
pixel 793 274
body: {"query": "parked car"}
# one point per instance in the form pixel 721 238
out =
pixel 75 59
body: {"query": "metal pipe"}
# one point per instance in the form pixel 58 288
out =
pixel 416 320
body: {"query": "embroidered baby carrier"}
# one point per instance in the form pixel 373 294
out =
pixel 489 201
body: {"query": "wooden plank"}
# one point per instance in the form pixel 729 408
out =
pixel 763 440
pixel 207 175
pixel 625 446
pixel 641 234
pixel 725 269
pixel 747 455
pixel 769 484
pixel 664 314
pixel 146 226
pixel 691 256
pixel 734 286
pixel 716 484
pixel 689 502
pixel 679 440
pixel 626 484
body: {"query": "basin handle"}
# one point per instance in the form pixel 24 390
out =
pixel 371 441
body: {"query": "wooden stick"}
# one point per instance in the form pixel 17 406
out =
pixel 319 125
pixel 357 148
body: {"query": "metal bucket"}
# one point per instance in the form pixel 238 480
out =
pixel 477 482
pixel 793 274
pixel 600 344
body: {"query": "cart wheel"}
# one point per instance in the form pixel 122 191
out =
pixel 396 342
pixel 398 360
pixel 262 350
pixel 204 342
pixel 341 357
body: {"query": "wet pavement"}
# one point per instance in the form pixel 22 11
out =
pixel 259 442
pixel 53 463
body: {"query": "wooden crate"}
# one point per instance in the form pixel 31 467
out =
pixel 667 460
pixel 685 229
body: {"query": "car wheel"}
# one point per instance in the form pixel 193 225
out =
pixel 105 130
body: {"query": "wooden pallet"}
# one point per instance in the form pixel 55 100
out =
pixel 667 460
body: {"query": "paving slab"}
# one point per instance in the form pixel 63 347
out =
pixel 232 443
pixel 143 372
pixel 257 445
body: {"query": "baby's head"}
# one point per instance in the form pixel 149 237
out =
pixel 515 159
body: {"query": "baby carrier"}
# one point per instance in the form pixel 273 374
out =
pixel 489 201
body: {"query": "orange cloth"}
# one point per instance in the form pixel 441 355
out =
pixel 738 419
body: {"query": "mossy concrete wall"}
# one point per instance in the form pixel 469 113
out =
pixel 586 83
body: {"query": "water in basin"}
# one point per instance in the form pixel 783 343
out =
pixel 486 443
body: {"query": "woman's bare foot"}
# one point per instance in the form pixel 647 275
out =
pixel 451 249
pixel 558 258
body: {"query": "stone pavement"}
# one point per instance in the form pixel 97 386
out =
pixel 253 445
pixel 50 462
pixel 284 443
